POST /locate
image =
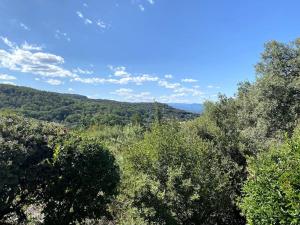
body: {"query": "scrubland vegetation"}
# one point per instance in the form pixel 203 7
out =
pixel 237 163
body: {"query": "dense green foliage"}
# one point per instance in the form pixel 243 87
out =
pixel 83 178
pixel 24 150
pixel 174 177
pixel 272 191
pixel 79 110
pixel 238 163
pixel 270 106
pixel 71 179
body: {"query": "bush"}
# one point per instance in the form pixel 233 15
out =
pixel 170 178
pixel 271 194
pixel 84 182
pixel 43 167
pixel 25 148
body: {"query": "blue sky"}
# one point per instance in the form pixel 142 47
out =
pixel 140 50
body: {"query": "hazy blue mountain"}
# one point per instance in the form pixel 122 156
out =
pixel 194 107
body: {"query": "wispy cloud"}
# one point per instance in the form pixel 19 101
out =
pixel 168 76
pixel 182 96
pixel 101 24
pixel 119 71
pixel 22 25
pixel 7 77
pixel 79 14
pixel 138 80
pixel 177 98
pixel 85 20
pixel 33 59
pixel 141 7
pixel 189 91
pixel 212 86
pixel 82 71
pixel 62 35
pixel 179 91
pixel 168 85
pixel 120 76
pixel 189 80
pixel 31 47
pixel 7 42
pixel 131 96
pixel 54 82
pixel 141 4
pixel 7 82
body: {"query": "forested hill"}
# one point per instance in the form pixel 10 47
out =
pixel 76 109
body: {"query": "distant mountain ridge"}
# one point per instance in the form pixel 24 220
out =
pixel 75 110
pixel 193 108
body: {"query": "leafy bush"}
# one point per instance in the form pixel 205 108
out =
pixel 271 194
pixel 70 179
pixel 170 178
pixel 84 182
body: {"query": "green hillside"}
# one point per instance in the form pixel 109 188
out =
pixel 76 109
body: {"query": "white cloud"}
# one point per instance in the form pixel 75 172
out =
pixel 85 5
pixel 28 61
pixel 189 91
pixel 142 8
pixel 138 80
pixel 30 47
pixel 179 92
pixel 151 2
pixel 189 80
pixel 7 82
pixel 177 98
pixel 32 59
pixel 168 76
pixel 131 96
pixel 119 71
pixel 54 82
pixel 92 80
pixel 87 21
pixel 7 77
pixel 212 86
pixel 7 42
pixel 123 91
pixel 24 26
pixel 122 76
pixel 101 24
pixel 62 35
pixel 168 85
pixel 70 89
pixel 82 71
pixel 143 78
pixel 79 14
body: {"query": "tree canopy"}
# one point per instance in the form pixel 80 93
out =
pixel 41 164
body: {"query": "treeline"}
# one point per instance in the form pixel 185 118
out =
pixel 76 110
pixel 238 163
